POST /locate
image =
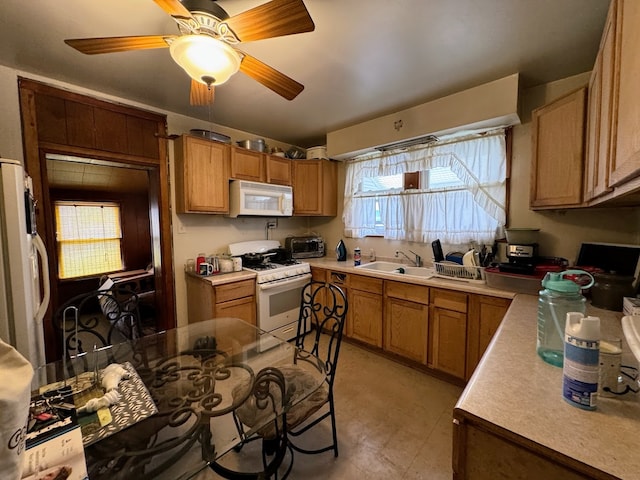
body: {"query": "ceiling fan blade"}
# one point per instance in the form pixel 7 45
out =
pixel 270 77
pixel 201 94
pixel 174 8
pixel 92 46
pixel 273 19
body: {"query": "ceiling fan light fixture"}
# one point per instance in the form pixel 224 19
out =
pixel 205 58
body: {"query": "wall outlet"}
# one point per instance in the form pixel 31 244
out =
pixel 272 224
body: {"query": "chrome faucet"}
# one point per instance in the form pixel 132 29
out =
pixel 417 261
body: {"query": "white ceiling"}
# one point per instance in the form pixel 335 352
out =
pixel 366 58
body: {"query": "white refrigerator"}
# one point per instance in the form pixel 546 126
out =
pixel 23 262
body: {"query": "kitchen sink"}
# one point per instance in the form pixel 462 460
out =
pixel 398 269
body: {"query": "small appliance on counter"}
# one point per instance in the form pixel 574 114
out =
pixel 306 246
pixel 341 251
pixel 522 251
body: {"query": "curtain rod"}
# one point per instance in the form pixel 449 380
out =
pixel 472 136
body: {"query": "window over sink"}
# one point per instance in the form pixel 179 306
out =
pixel 454 190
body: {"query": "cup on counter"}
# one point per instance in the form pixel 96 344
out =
pixel 206 269
pixel 609 376
pixel 190 266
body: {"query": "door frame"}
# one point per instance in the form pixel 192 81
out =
pixel 159 192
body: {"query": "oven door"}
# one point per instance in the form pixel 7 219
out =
pixel 279 306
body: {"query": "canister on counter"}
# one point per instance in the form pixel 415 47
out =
pixel 237 264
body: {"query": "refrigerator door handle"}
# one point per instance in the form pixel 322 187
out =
pixel 46 287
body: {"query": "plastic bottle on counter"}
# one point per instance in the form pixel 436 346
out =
pixel 200 259
pixel 559 297
pixel 581 360
pixel 356 256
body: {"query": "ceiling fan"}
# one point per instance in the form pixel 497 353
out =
pixel 206 47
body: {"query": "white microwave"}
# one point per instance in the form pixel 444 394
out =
pixel 260 199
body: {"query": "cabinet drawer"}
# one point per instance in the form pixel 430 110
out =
pixel 407 291
pixel 368 284
pixel 339 278
pixel 231 291
pixel 449 300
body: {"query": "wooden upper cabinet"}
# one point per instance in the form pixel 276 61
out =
pixel 625 163
pixel 315 187
pixel 202 175
pixel 558 135
pixel 600 114
pixel 247 165
pixel 279 170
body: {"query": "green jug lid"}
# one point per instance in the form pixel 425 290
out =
pixel 555 281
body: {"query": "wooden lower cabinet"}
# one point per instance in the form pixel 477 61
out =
pixel 365 307
pixel 445 330
pixel 448 332
pixel 485 315
pixel 406 320
pixel 233 299
pixel 484 452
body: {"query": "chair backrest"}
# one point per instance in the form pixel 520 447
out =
pixel 94 317
pixel 323 311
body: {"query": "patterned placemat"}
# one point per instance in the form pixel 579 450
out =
pixel 135 405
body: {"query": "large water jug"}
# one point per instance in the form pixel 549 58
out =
pixel 559 297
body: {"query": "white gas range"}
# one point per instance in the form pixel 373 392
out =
pixel 279 282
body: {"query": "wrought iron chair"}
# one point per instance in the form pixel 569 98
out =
pixel 99 317
pixel 320 326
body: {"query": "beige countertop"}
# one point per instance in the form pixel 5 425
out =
pixel 515 390
pixel 460 285
pixel 221 278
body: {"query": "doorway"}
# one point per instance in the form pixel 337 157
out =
pixel 66 135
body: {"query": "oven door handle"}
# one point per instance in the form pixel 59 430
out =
pixel 283 283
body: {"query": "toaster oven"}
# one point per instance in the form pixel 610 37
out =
pixel 310 246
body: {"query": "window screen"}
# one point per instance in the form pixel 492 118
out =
pixel 89 238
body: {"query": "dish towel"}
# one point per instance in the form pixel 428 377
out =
pixel 16 374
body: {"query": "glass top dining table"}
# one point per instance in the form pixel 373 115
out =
pixel 178 392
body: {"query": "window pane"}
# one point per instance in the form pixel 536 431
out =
pixel 441 177
pixel 88 236
pixel 79 259
pixel 382 183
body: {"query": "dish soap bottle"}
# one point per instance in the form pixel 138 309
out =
pixel 341 251
pixel 357 256
pixel 559 297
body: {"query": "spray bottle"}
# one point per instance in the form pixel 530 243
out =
pixel 581 360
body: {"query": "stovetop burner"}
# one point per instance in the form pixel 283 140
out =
pixel 260 267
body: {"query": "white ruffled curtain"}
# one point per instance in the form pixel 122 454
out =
pixel 456 216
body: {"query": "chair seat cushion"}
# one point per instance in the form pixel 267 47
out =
pixel 297 381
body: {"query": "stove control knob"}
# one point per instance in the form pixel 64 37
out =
pixel 268 278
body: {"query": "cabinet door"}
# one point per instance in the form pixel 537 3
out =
pixel 315 187
pixel 365 319
pixel 199 299
pixel 278 170
pixel 244 308
pixel 247 165
pixel 485 315
pixel 600 114
pixel 405 328
pixel 448 341
pixel 558 152
pixel 202 175
pixel 625 164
